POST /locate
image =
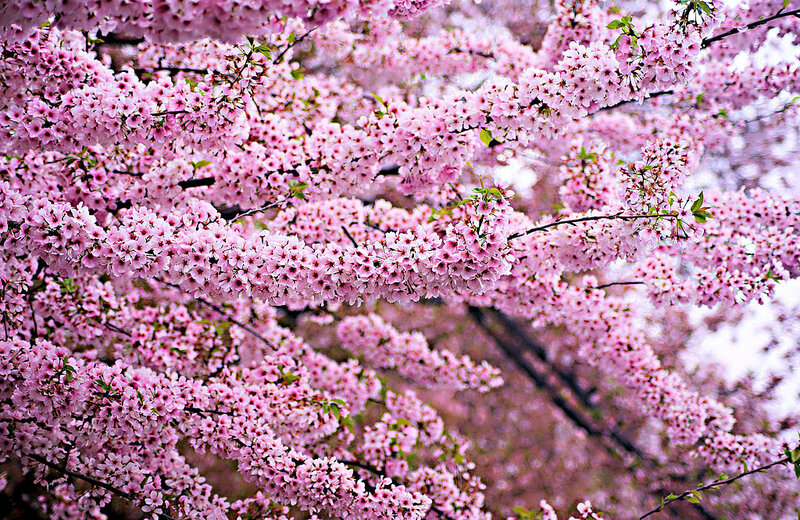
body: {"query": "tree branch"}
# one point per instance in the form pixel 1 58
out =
pixel 572 413
pixel 194 183
pixel 85 478
pixel 618 216
pixel 379 473
pixel 222 313
pixel 751 25
pixel 716 483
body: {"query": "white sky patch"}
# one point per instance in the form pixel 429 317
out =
pixel 515 173
pixel 739 348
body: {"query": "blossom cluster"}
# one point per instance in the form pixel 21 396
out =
pixel 385 347
pixel 160 20
pixel 215 215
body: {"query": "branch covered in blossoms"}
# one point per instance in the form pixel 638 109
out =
pixel 268 259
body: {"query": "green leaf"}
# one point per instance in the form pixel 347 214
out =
pixel 222 327
pixel 697 204
pixel 794 455
pixel 201 164
pixel 694 497
pixel 486 137
pixel 289 377
pixel 67 286
pixel 296 189
pixel 297 74
pixel 521 511
pixel 615 24
pixel 785 5
pixel 265 50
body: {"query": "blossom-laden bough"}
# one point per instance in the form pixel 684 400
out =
pixel 258 262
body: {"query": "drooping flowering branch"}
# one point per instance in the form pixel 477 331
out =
pixel 217 221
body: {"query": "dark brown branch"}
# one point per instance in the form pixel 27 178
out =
pixel 222 313
pixel 714 484
pixel 194 183
pixel 627 101
pixel 175 70
pixel 231 212
pixel 169 112
pixel 85 478
pixel 617 283
pixel 244 213
pixel 539 351
pixel 618 216
pixel 379 473
pixel 487 55
pixel 538 379
pixel 751 25
pixel 113 39
pixel 200 411
pixel 280 56
pixel 346 232
pixel 389 170
pixel 572 413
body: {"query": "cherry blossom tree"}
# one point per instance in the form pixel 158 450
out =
pixel 378 259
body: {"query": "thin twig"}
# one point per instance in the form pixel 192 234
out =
pixel 487 55
pixel 194 183
pixel 222 312
pixel 85 478
pixel 279 57
pixel 617 283
pixel 618 216
pixel 712 485
pixel 169 112
pixel 751 25
pixel 346 232
pixel 376 471
pixel 253 211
